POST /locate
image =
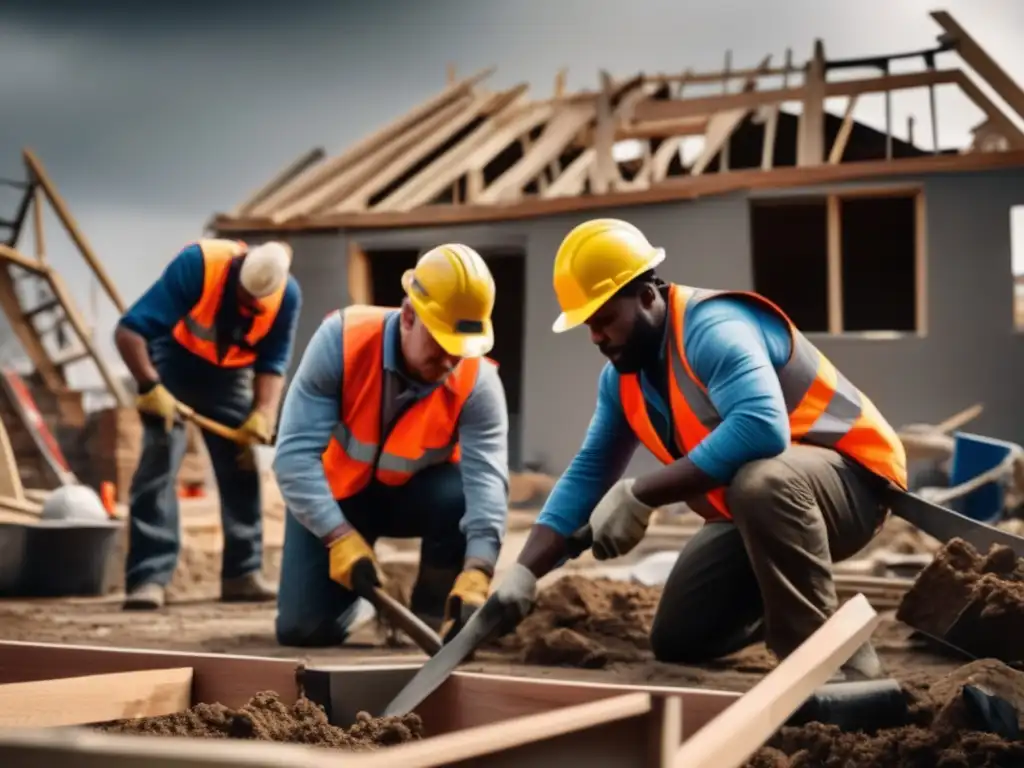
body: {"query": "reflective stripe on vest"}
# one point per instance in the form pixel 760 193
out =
pixel 824 408
pixel 424 434
pixel 197 330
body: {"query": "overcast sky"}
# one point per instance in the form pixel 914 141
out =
pixel 151 116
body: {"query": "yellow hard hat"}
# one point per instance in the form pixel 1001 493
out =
pixel 594 261
pixel 452 291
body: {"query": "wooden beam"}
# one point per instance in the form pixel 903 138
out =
pixel 717 76
pixel 71 227
pixel 571 181
pixel 995 115
pixel 95 698
pixel 285 176
pixel 12 256
pixel 835 264
pixel 11 488
pixel 732 737
pixel 979 60
pixel 604 173
pixel 38 234
pixel 707 105
pixel 843 136
pixel 657 129
pixel 682 188
pixel 811 130
pixel 557 134
pixel 504 127
pixel 322 173
pixel 360 275
pixel 771 127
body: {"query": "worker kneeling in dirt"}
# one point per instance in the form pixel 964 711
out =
pixel 395 425
pixel 215 333
pixel 758 433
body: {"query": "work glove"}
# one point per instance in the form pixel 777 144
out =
pixel 466 597
pixel 257 428
pixel 159 402
pixel 353 564
pixel 619 521
pixel 516 594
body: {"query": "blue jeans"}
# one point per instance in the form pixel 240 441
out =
pixel 154 538
pixel 313 610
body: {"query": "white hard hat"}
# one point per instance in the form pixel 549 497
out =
pixel 265 268
pixel 74 502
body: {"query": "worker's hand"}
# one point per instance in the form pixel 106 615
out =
pixel 352 562
pixel 257 428
pixel 158 401
pixel 466 597
pixel 516 593
pixel 619 521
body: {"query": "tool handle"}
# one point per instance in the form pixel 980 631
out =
pixel 407 621
pixel 580 541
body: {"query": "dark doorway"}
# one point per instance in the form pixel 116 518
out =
pixel 508 266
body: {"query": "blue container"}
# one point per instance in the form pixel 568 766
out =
pixel 973 455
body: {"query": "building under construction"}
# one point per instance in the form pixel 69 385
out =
pixel 892 253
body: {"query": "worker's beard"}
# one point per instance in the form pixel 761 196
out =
pixel 641 348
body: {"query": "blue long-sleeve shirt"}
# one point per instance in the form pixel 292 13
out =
pixel 155 313
pixel 735 349
pixel 310 413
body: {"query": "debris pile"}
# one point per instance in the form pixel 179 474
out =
pixel 952 725
pixel 266 718
pixel 973 601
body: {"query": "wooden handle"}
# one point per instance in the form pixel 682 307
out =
pixel 405 620
pixel 214 427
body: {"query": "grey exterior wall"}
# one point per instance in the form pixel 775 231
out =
pixel 970 353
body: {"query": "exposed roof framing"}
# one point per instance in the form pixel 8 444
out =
pixel 470 153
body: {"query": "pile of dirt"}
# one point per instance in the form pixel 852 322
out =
pixel 991 589
pixel 589 623
pixel 944 731
pixel 266 718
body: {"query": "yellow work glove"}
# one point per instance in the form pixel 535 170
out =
pixel 468 594
pixel 257 428
pixel 352 562
pixel 161 403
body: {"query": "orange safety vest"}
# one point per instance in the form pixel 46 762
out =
pixel 197 331
pixel 825 409
pixel 423 435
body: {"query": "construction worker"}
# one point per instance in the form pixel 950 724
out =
pixel 395 425
pixel 215 333
pixel 757 432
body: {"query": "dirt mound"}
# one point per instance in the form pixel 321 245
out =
pixel 944 732
pixel 987 589
pixel 266 718
pixel 589 623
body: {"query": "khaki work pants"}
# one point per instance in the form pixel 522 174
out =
pixel 767 574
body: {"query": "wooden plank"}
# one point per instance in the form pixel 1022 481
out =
pixel 979 60
pixel 289 173
pixel 811 129
pixel 321 174
pixel 10 480
pixel 707 105
pixel 604 173
pixel 345 183
pixel 225 678
pixel 843 136
pixel 35 266
pixel 504 126
pixel 360 276
pixel 71 227
pixel 442 133
pixel 557 134
pixel 95 698
pixel 997 118
pixel 732 737
pixel 682 188
pixel 771 126
pixel 571 181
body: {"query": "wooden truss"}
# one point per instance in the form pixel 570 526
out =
pixel 36 300
pixel 472 719
pixel 471 147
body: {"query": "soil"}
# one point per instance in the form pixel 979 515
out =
pixel 266 718
pixel 990 587
pixel 943 731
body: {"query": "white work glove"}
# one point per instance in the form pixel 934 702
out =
pixel 619 521
pixel 516 594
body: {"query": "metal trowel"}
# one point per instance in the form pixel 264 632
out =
pixel 475 633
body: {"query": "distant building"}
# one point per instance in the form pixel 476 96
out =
pixel 894 255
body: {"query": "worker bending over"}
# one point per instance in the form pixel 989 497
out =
pixel 396 426
pixel 758 433
pixel 214 332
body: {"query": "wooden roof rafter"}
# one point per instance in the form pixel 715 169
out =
pixel 467 147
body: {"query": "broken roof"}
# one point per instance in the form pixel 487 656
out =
pixel 471 154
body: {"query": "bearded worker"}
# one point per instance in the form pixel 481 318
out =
pixel 215 333
pixel 757 432
pixel 395 425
